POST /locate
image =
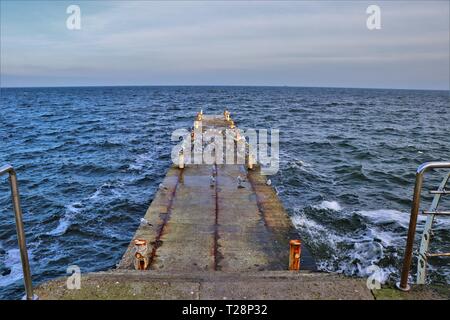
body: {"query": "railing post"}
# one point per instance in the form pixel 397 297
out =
pixel 20 231
pixel 403 285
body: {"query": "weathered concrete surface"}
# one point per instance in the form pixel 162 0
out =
pixel 199 227
pixel 417 292
pixel 264 285
pixel 278 222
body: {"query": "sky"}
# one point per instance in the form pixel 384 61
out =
pixel 270 43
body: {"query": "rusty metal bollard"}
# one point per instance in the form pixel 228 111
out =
pixel 141 254
pixel 251 161
pixel 226 114
pixel 295 251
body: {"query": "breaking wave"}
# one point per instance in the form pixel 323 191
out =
pixel 11 271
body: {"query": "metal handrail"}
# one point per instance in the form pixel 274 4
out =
pixel 20 230
pixel 403 284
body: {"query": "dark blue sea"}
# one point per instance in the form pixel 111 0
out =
pixel 89 161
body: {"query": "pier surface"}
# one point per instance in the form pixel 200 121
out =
pixel 196 226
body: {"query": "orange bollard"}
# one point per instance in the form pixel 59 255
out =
pixel 141 254
pixel 295 251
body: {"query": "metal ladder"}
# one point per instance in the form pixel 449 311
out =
pixel 427 232
pixel 20 231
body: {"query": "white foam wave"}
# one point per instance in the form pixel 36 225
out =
pixel 353 252
pixel 300 164
pixel 98 192
pixel 142 160
pixel 13 263
pixel 315 230
pixel 106 190
pixel 66 220
pixel 402 218
pixel 385 216
pixel 329 205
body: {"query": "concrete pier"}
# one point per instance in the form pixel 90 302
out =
pixel 196 226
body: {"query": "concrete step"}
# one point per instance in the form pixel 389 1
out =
pixel 263 285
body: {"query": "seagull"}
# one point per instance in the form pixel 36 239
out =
pixel 144 222
pixel 161 186
pixel 269 182
pixel 239 181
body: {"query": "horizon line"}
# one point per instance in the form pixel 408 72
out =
pixel 213 85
